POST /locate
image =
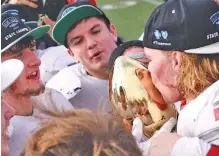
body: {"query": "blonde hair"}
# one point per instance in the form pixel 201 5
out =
pixel 82 133
pixel 197 73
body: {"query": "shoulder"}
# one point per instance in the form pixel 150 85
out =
pixel 203 110
pixel 67 82
pixel 52 100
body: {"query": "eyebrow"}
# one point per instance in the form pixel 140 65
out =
pixel 95 26
pixel 75 38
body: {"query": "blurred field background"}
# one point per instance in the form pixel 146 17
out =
pixel 129 16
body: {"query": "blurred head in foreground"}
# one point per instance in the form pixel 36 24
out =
pixel 82 133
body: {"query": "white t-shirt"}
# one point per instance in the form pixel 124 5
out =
pixel 94 92
pixel 24 126
pixel 53 59
pixel 198 122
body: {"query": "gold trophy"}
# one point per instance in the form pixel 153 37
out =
pixel 133 95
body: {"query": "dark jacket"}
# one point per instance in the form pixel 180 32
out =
pixel 51 8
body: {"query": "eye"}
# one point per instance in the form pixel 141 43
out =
pixel 77 41
pixel 96 31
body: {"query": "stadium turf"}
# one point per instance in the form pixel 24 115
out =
pixel 129 16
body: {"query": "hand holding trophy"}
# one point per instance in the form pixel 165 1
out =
pixel 136 100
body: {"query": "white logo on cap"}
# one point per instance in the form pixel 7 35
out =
pixel 66 11
pixel 213 35
pixel 12 12
pixel 215 19
pixel 157 34
pixel 161 34
pixel 10 35
pixel 10 22
pixel 164 34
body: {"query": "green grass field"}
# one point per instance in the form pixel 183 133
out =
pixel 129 16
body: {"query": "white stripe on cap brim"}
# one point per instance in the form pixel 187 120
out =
pixel 10 71
pixel 209 49
pixel 27 34
pixel 141 37
pixel 30 22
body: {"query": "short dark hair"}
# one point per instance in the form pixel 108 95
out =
pixel 106 21
pixel 119 51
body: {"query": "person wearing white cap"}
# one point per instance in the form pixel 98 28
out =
pixel 53 58
pixel 10 71
pixel 25 94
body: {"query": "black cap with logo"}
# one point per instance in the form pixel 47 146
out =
pixel 191 26
pixel 23 11
pixel 13 30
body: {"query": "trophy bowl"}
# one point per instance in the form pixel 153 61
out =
pixel 132 94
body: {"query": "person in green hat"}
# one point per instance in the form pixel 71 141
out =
pixel 90 38
pixel 88 34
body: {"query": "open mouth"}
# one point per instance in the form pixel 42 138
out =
pixel 97 54
pixel 34 75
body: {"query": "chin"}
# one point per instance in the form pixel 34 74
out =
pixel 172 98
pixel 34 91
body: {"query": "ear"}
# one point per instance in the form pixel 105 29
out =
pixel 176 60
pixel 70 52
pixel 113 32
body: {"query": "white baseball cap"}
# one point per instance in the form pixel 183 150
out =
pixel 11 70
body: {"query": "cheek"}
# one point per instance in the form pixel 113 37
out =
pixel 21 82
pixel 155 69
pixel 108 43
pixel 80 54
pixel 161 73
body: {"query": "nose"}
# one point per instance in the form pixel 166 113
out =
pixel 34 60
pixel 9 111
pixel 91 43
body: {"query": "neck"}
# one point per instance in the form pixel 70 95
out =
pixel 22 104
pixel 104 74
